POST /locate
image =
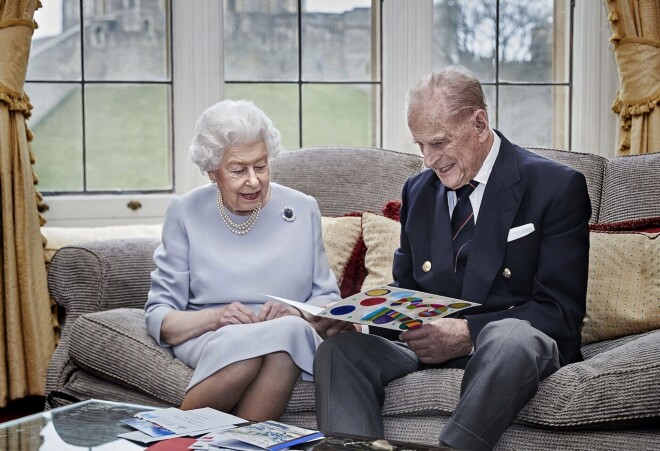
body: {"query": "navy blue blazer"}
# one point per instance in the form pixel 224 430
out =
pixel 548 268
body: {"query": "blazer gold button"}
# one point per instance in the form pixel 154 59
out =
pixel 506 273
pixel 426 267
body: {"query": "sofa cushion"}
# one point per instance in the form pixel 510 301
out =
pixel 355 272
pixel 115 345
pixel 595 391
pixel 650 225
pixel 349 188
pixel 381 236
pixel 590 165
pixel 623 292
pixel 631 189
pixel 600 390
pixel 340 236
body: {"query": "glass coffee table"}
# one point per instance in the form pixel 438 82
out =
pixel 86 425
pixel 94 425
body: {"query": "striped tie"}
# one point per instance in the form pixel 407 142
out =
pixel 462 227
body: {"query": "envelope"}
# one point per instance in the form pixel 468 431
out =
pixel 519 232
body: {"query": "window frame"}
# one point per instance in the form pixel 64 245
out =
pixel 300 82
pixel 198 81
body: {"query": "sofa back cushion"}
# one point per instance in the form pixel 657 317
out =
pixel 346 179
pixel 623 294
pixel 631 189
pixel 382 237
pixel 340 236
pixel 590 165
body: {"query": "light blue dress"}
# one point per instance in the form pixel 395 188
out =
pixel 202 264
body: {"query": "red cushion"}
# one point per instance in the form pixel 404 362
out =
pixel 356 271
pixel 649 225
pixel 391 209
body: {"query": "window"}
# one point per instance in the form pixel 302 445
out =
pixel 312 66
pixel 100 78
pixel 520 51
pixel 316 67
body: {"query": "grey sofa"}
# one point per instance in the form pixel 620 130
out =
pixel 609 401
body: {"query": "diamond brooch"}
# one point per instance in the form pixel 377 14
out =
pixel 288 214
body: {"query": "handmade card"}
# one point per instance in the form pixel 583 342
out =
pixel 388 307
pixel 266 435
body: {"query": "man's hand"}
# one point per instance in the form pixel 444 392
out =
pixel 327 327
pixel 271 310
pixel 440 340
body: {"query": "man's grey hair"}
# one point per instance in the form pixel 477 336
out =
pixel 458 90
pixel 229 123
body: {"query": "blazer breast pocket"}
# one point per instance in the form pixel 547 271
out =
pixel 523 243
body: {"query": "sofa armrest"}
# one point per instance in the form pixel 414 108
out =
pixel 101 275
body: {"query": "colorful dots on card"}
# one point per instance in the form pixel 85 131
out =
pixel 377 292
pixel 385 315
pixel 402 294
pixel 413 301
pixel 436 310
pixel 372 301
pixel 459 305
pixel 342 310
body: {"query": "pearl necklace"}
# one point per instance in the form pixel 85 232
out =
pixel 238 229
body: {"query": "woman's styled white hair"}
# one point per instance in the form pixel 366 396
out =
pixel 228 123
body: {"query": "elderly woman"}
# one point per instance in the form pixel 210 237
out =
pixel 225 247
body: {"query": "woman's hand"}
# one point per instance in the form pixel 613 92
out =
pixel 180 326
pixel 234 313
pixel 271 310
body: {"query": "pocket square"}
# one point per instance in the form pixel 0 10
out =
pixel 519 232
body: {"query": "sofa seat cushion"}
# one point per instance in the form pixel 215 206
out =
pixel 115 345
pixel 594 392
pixel 599 391
pixel 424 392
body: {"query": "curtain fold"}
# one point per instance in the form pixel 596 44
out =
pixel 26 332
pixel 636 37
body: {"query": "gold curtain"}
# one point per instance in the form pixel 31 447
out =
pixel 26 332
pixel 636 38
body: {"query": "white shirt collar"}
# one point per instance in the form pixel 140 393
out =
pixel 486 168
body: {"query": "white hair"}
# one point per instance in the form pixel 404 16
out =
pixel 457 87
pixel 229 123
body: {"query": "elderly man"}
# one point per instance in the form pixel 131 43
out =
pixel 488 222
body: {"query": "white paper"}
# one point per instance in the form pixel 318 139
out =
pixel 228 443
pixel 202 445
pixel 141 437
pixel 215 433
pixel 309 308
pixel 187 422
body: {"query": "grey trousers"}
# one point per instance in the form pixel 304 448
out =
pixel 509 360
